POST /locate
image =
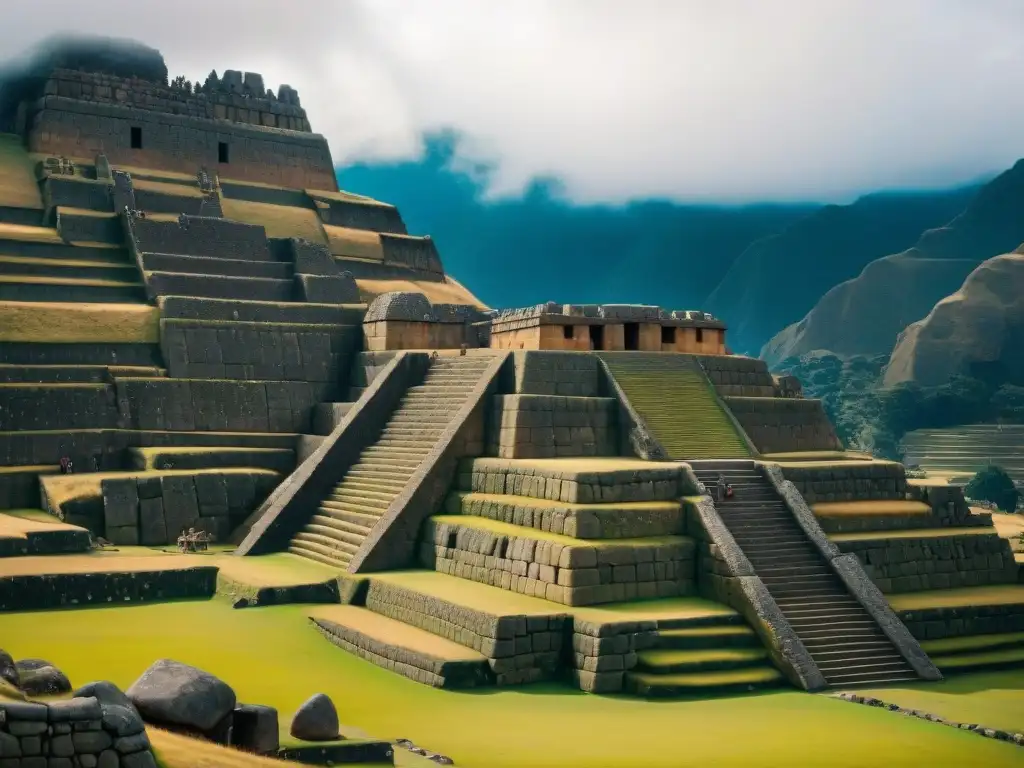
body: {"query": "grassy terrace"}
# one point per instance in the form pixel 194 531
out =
pixel 79 323
pixel 963 451
pixel 18 188
pixel 540 726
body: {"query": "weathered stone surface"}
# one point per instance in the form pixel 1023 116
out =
pixel 256 729
pixel 105 692
pixel 177 694
pixel 79 708
pixel 42 679
pixel 316 720
pixel 8 670
pixel 122 720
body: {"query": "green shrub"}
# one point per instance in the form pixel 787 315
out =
pixel 994 485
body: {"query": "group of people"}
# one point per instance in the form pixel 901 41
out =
pixel 723 490
pixel 194 541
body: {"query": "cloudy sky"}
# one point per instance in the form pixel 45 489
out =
pixel 711 100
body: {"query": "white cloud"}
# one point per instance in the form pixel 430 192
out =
pixel 691 99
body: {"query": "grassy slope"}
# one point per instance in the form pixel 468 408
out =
pixel 18 187
pixel 539 726
pixel 993 699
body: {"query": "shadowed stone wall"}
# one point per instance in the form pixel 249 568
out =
pixel 549 426
pixel 785 425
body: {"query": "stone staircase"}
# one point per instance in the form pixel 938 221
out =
pixel 841 636
pixel 699 656
pixel 676 401
pixel 55 271
pixel 349 512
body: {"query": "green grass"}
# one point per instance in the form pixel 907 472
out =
pixel 273 656
pixel 1004 657
pixel 74 323
pixel 277 220
pixel 993 699
pixel 677 402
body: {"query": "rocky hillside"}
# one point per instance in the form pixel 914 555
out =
pixel 865 315
pixel 980 325
pixel 817 252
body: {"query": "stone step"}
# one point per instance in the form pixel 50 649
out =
pixel 659 661
pixel 395 461
pixel 801 603
pixel 61 251
pixel 736 636
pixel 877 652
pixel 850 648
pixel 335 533
pixel 68 374
pixel 384 486
pixel 248 310
pixel 418 421
pixel 824 613
pixel 398 647
pixel 406 444
pixel 74 290
pixel 219 287
pixel 354 522
pixel 343 489
pixel 341 498
pixel 868 671
pixel 326 545
pixel 837 623
pixel 211 457
pixel 368 508
pixel 370 472
pixel 311 552
pixel 827 636
pixel 442 389
pixel 702 683
pixel 81 269
pixel 206 265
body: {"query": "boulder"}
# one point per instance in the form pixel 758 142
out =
pixel 40 678
pixel 8 670
pixel 106 693
pixel 316 720
pixel 176 694
pixel 256 729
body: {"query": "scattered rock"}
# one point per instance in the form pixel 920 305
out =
pixel 123 721
pixel 316 720
pixel 40 678
pixel 256 729
pixel 442 760
pixel 418 751
pixel 173 693
pixel 8 670
pixel 404 743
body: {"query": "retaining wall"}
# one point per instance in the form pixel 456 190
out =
pixel 850 481
pixel 154 511
pixel 571 374
pixel 37 593
pixel 198 349
pixel 785 425
pixel 76 733
pixel 549 426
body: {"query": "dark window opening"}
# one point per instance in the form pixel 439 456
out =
pixel 567 332
pixel 222 152
pixel 136 137
pixel 668 334
pixel 700 335
pixel 596 336
pixel 631 331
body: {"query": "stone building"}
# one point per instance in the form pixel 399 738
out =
pixel 233 124
pixel 409 321
pixel 608 327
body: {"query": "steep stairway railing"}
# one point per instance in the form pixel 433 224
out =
pixel 843 621
pixel 271 527
pixel 677 403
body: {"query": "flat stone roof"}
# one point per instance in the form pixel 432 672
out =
pixel 552 313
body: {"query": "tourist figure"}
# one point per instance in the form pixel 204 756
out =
pixel 182 542
pixel 65 463
pixel 720 488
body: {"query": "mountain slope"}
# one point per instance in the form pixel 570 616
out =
pixel 777 279
pixel 981 324
pixel 538 247
pixel 866 314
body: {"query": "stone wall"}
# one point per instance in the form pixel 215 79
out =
pixel 915 564
pixel 519 648
pixel 219 406
pixel 784 425
pixel 374 217
pixel 736 376
pixel 400 334
pixel 153 511
pixel 38 593
pixel 64 406
pixel 862 481
pixel 418 253
pixel 75 733
pixel 219 103
pixel 603 653
pixel 77 227
pixel 549 426
pixel 179 143
pixel 76 192
pixel 556 373
pixel 197 349
pixel 195 308
pixel 964 620
pixel 201 236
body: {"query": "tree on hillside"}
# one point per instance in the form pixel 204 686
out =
pixel 994 485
